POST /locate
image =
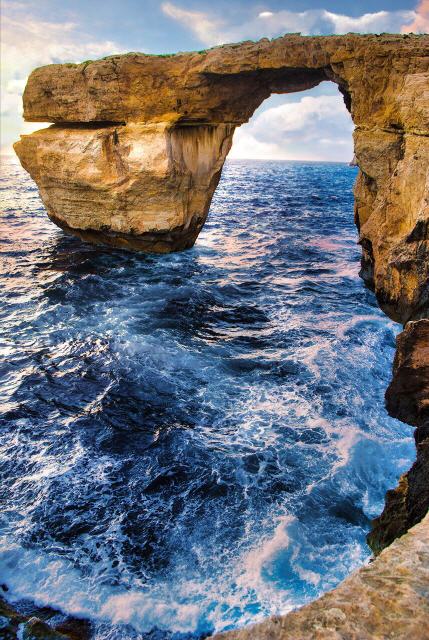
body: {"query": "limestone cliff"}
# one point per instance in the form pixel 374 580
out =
pixel 407 398
pixel 133 160
pixel 140 141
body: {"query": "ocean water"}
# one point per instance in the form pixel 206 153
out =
pixel 192 442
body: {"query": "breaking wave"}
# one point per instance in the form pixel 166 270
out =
pixel 192 442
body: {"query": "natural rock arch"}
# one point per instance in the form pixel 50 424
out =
pixel 139 143
pixel 133 161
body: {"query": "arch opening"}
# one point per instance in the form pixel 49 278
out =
pixel 153 178
pixel 312 124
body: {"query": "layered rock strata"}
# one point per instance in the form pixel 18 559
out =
pixel 133 160
pixel 140 140
pixel 145 187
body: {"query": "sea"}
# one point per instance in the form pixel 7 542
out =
pixel 192 442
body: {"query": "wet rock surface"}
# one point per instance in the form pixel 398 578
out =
pixel 27 621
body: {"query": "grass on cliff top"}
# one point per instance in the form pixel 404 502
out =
pixel 85 63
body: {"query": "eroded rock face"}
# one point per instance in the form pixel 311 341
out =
pixel 141 140
pixel 407 398
pixel 146 187
pixel 392 214
pixel 384 78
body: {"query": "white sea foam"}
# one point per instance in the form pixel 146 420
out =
pixel 193 441
pixel 49 580
pixel 180 606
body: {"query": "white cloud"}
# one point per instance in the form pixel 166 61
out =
pixel 245 146
pixel 27 43
pixel 314 128
pixel 303 115
pixel 206 29
pixel 388 21
pixel 213 31
pixel 420 23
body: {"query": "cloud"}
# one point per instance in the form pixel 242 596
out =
pixel 213 31
pixel 317 128
pixel 420 23
pixel 27 43
pixel 206 29
pixel 313 128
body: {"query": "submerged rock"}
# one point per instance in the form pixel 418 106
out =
pixel 26 621
pixel 10 619
pixel 36 629
pixel 140 141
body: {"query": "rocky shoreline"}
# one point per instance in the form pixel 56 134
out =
pixel 26 621
pixel 388 598
pixel 407 398
pixel 134 159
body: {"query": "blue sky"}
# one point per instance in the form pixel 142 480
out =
pixel 311 125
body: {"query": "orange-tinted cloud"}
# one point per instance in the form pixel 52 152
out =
pixel 421 21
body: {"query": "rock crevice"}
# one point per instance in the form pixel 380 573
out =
pixel 407 398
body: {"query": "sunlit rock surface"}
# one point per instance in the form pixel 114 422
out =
pixel 133 161
pixel 143 175
pixel 142 187
pixel 389 598
pixel 392 213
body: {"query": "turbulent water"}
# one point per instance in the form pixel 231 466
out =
pixel 195 441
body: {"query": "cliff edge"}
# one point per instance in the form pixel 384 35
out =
pixel 133 159
pixel 139 143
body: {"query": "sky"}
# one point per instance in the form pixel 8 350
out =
pixel 313 125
